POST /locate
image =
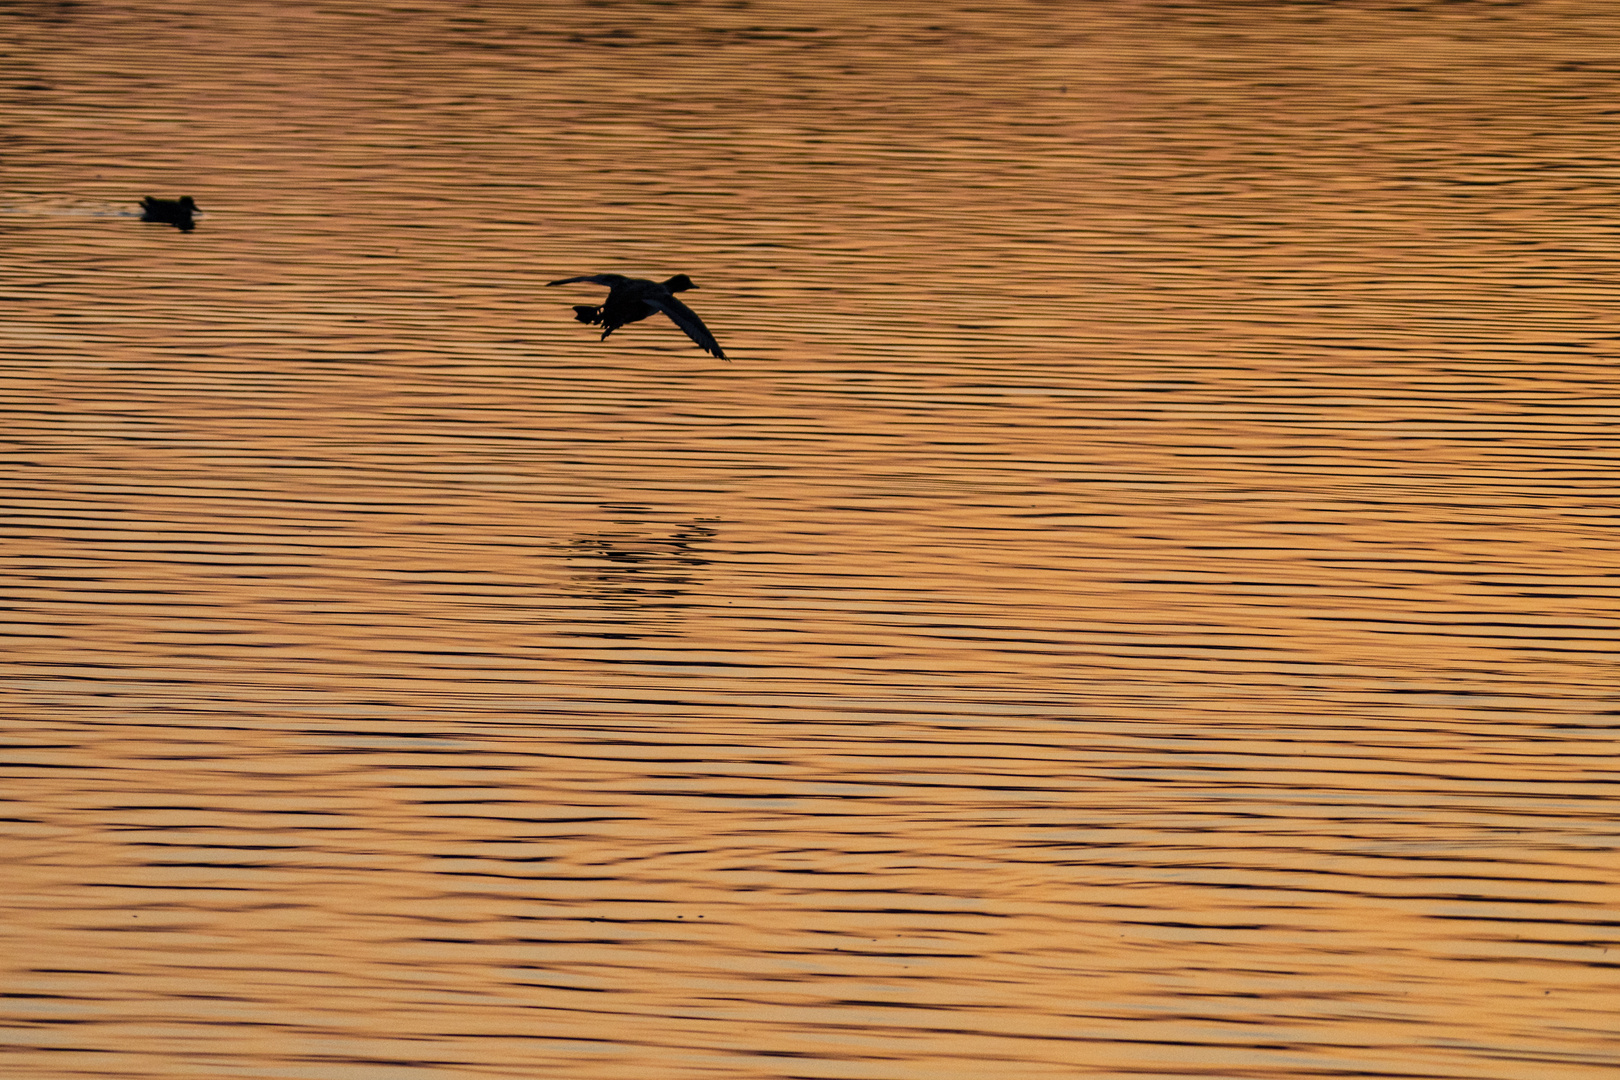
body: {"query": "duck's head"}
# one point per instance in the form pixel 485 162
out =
pixel 679 283
pixel 186 204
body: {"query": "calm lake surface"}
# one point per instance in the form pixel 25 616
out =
pixel 1141 601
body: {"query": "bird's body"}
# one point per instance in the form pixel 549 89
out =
pixel 176 212
pixel 633 299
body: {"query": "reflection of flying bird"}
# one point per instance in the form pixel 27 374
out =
pixel 176 212
pixel 638 574
pixel 633 299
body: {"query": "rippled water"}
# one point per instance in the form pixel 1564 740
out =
pixel 1140 602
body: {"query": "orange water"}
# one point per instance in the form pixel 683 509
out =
pixel 1139 603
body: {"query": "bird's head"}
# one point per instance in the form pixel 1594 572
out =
pixel 679 283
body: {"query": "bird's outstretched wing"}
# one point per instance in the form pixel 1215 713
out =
pixel 685 318
pixel 609 280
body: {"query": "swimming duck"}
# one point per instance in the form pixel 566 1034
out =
pixel 633 299
pixel 176 212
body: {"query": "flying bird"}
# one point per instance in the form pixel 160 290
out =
pixel 633 299
pixel 176 212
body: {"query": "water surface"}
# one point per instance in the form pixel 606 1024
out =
pixel 1139 603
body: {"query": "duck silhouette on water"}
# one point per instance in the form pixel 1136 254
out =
pixel 633 299
pixel 176 212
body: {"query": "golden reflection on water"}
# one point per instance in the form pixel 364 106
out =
pixel 1139 603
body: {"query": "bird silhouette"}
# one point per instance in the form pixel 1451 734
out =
pixel 633 299
pixel 176 212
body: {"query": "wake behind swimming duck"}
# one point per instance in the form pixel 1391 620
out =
pixel 633 299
